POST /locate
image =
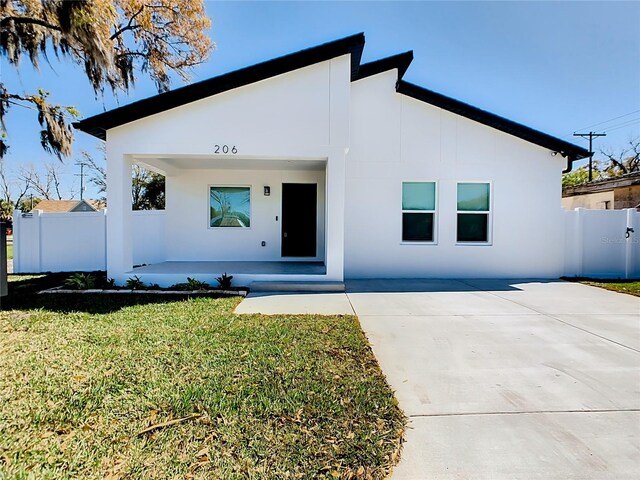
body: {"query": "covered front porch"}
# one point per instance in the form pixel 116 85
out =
pixel 259 219
pixel 229 151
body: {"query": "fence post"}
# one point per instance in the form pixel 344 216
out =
pixel 105 223
pixel 628 251
pixel 39 237
pixel 3 259
pixel 579 241
pixel 17 227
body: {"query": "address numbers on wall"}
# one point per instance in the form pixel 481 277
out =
pixel 225 149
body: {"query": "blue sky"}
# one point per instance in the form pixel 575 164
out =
pixel 555 66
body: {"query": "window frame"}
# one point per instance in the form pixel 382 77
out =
pixel 226 185
pixel 488 213
pixel 434 212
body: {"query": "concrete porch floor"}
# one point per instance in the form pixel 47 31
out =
pixel 234 268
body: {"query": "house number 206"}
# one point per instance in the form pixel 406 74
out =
pixel 225 149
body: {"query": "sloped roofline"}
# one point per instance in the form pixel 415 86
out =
pixel 99 124
pixel 570 151
pixel 353 45
pixel 400 61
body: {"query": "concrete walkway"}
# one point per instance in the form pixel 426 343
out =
pixel 505 379
pixel 287 303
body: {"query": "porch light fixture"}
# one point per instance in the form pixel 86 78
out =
pixel 267 190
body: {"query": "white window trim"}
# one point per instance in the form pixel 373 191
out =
pixel 489 214
pixel 232 229
pixel 434 211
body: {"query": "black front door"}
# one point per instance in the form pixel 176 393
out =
pixel 299 219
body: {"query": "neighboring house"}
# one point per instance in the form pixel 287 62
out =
pixel 64 206
pixel 315 167
pixel 610 194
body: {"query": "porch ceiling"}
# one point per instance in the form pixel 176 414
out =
pixel 199 162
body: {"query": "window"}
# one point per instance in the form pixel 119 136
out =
pixel 474 210
pixel 418 211
pixel 230 207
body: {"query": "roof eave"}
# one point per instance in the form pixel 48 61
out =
pixel 568 150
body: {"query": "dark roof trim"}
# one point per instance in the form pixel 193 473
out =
pixel 99 124
pixel 400 61
pixel 570 151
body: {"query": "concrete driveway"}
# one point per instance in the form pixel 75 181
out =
pixel 509 380
pixel 501 380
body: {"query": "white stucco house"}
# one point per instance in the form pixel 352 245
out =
pixel 313 167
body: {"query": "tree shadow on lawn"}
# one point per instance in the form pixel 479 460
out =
pixel 23 295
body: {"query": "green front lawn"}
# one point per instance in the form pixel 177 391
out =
pixel 631 287
pixel 82 377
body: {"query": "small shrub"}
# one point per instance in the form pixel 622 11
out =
pixel 225 281
pixel 134 283
pixel 190 285
pixel 80 281
pixel 196 284
pixel 154 286
pixel 110 283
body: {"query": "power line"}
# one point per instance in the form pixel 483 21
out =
pixel 610 120
pixel 622 125
pixel 614 129
pixel 602 123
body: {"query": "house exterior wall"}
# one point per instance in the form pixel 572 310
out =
pixel 301 115
pixel 266 118
pixel 395 138
pixel 189 234
pixel 371 139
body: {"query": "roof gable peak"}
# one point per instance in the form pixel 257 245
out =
pixel 400 61
pixel 99 124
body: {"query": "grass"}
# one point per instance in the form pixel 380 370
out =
pixel 81 376
pixel 630 287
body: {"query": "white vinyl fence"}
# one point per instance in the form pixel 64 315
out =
pixel 598 243
pixel 602 243
pixel 76 241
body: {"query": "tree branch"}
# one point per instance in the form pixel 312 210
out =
pixel 27 20
pixel 129 25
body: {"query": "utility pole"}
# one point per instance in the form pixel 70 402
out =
pixel 81 179
pixel 590 136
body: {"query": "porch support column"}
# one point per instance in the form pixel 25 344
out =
pixel 339 136
pixel 335 193
pixel 119 228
